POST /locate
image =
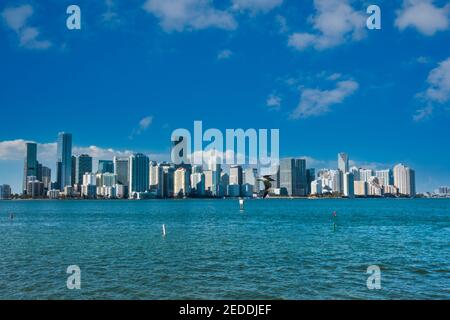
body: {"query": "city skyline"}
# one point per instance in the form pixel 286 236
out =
pixel 137 176
pixel 125 83
pixel 86 163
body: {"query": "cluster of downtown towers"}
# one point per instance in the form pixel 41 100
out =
pixel 137 177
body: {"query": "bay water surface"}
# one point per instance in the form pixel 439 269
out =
pixel 274 249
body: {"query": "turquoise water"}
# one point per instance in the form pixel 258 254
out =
pixel 274 249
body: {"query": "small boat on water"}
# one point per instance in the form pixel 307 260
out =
pixel 164 230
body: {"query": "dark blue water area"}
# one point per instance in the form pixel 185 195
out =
pixel 273 249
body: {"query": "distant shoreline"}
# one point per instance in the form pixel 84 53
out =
pixel 230 199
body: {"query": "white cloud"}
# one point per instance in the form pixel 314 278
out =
pixel 256 6
pixel 143 125
pixel 424 16
pixel 16 18
pixel 438 91
pixel 282 24
pixel 423 113
pixel 181 15
pixel 274 102
pixel 224 54
pixel 110 16
pixel 316 102
pixel 335 22
pixel 15 150
pixel 439 83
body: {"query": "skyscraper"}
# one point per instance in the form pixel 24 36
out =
pixel 105 166
pixel 5 192
pixel 343 162
pixel 198 184
pixel 236 175
pixel 139 173
pixel 181 182
pixel 156 179
pixel 30 164
pixel 310 177
pixel 83 165
pixel 349 185
pixel 64 160
pixel 293 176
pixel 405 180
pixel 365 174
pixel 122 170
pixel 46 176
pixel 385 177
pixel 168 177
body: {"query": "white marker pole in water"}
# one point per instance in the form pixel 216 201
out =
pixel 164 230
pixel 241 204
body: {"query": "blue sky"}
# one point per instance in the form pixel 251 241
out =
pixel 137 70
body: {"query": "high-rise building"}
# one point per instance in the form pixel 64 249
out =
pixel 73 170
pixel 209 182
pixel 349 185
pixel 316 187
pixel 5 192
pixel 355 172
pixel 30 164
pixel 361 188
pixel 35 188
pixel 156 179
pixel 405 180
pixel 181 182
pixel 251 179
pixel 64 160
pixel 224 183
pixel 106 179
pixel 365 174
pixel 385 177
pixel 89 179
pixel 343 162
pixel 198 184
pixel 122 170
pixel 310 177
pixel 105 166
pixel 293 176
pixel 139 173
pixel 236 175
pixel 89 187
pixel 46 177
pixel 83 164
pixel 443 190
pixel 374 188
pixel 168 188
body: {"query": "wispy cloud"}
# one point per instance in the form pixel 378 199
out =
pixel 181 15
pixel 437 93
pixel 424 16
pixel 111 16
pixel 282 24
pixel 225 54
pixel 274 102
pixel 143 125
pixel 335 22
pixel 16 18
pixel 256 6
pixel 316 102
